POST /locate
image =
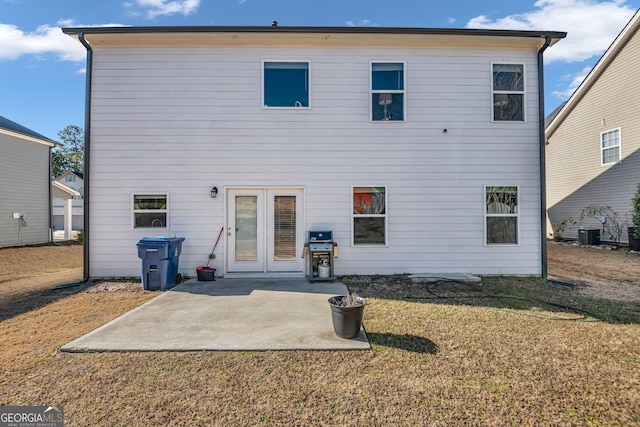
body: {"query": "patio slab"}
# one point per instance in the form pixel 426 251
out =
pixel 227 314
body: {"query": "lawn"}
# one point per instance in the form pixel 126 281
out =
pixel 509 352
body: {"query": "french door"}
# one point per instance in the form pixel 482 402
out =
pixel 265 230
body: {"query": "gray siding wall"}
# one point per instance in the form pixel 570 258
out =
pixel 24 172
pixel 575 176
pixel 182 120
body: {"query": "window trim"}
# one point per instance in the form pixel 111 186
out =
pixel 495 215
pixel 619 130
pixel 523 92
pixel 134 211
pixel 262 86
pixel 385 216
pixel 403 91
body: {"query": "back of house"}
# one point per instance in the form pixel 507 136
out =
pixel 419 149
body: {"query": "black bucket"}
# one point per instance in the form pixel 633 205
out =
pixel 347 321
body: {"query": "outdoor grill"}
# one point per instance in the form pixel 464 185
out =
pixel 320 251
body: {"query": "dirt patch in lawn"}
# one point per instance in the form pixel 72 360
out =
pixel 597 272
pixel 28 273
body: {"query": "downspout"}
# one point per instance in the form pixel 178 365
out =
pixel 50 199
pixel 543 160
pixel 87 156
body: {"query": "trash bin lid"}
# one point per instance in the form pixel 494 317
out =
pixel 159 241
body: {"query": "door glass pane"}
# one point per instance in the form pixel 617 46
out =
pixel 284 228
pixel 246 228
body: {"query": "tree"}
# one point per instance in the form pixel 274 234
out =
pixel 635 212
pixel 69 157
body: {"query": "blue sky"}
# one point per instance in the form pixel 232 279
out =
pixel 42 71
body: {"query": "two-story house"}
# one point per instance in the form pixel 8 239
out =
pixel 593 151
pixel 422 150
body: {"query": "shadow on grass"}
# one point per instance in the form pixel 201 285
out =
pixel 528 296
pixel 17 304
pixel 412 343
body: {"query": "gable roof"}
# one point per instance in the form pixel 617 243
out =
pixel 68 191
pixel 78 174
pixel 11 127
pixel 601 66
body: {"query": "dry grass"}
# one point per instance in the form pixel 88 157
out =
pixel 443 354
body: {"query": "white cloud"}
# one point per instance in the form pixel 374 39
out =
pixel 46 39
pixel 576 79
pixel 15 43
pixel 361 23
pixel 591 25
pixel 155 8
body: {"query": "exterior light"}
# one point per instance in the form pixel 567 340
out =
pixel 214 192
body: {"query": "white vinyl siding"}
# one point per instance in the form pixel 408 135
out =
pixel 28 161
pixel 181 120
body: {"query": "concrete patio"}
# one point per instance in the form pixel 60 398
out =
pixel 227 314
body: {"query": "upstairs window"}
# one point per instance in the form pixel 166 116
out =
pixel 610 146
pixel 501 215
pixel 387 91
pixel 508 92
pixel 150 210
pixel 286 84
pixel 369 214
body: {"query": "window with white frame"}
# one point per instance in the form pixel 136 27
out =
pixel 501 215
pixel 150 210
pixel 610 146
pixel 369 211
pixel 387 91
pixel 285 84
pixel 508 92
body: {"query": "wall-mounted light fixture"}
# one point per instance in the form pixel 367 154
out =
pixel 214 192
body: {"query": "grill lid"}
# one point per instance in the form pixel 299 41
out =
pixel 320 236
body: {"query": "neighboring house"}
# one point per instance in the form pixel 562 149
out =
pixel 593 151
pixel 63 209
pixel 397 140
pixel 74 181
pixel 25 173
